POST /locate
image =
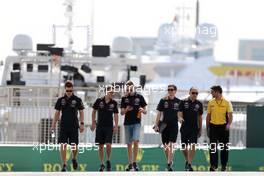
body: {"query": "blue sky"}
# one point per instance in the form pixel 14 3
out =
pixel 234 20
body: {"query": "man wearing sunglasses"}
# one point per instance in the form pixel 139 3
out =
pixel 132 106
pixel 106 108
pixel 190 116
pixel 167 110
pixel 68 106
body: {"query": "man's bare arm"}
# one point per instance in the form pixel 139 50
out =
pixel 93 120
pixel 180 117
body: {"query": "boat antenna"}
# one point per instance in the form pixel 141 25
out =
pixel 69 15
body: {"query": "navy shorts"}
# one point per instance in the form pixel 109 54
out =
pixel 69 136
pixel 103 135
pixel 169 135
pixel 189 136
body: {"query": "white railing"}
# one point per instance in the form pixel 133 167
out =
pixel 26 114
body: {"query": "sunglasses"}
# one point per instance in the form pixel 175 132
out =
pixel 195 93
pixel 69 90
pixel 171 89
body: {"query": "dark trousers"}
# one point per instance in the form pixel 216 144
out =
pixel 218 136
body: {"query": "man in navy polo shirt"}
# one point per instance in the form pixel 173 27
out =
pixel 106 108
pixel 190 116
pixel 167 113
pixel 68 106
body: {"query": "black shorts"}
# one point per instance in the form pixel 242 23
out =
pixel 189 136
pixel 69 136
pixel 169 135
pixel 104 135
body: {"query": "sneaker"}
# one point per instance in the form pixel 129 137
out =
pixel 212 169
pixel 223 168
pixel 102 167
pixel 74 164
pixel 64 168
pixel 190 167
pixel 169 167
pixel 129 167
pixel 135 166
pixel 108 165
pixel 186 166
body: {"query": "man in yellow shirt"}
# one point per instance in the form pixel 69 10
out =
pixel 218 120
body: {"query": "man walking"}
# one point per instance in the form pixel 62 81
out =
pixel 68 106
pixel 190 116
pixel 106 108
pixel 132 106
pixel 168 107
pixel 218 120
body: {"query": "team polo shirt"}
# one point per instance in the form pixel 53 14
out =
pixel 105 112
pixel 191 111
pixel 136 101
pixel 218 110
pixel 170 108
pixel 69 107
